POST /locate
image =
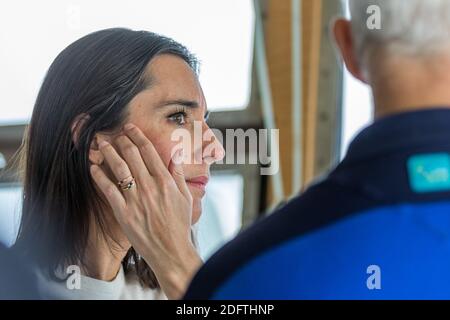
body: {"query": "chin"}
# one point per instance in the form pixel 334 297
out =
pixel 197 196
pixel 196 210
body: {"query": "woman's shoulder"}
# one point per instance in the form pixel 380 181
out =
pixel 80 287
pixel 133 290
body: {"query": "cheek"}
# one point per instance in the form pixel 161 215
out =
pixel 155 129
pixel 163 144
pixel 164 149
pixel 161 141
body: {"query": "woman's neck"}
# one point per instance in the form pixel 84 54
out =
pixel 104 256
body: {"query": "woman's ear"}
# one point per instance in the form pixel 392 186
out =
pixel 95 155
pixel 77 126
pixel 342 31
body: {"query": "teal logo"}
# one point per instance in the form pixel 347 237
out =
pixel 429 172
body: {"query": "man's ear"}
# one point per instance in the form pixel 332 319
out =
pixel 95 156
pixel 342 32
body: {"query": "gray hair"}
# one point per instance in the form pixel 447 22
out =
pixel 407 26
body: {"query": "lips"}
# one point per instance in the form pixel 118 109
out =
pixel 198 182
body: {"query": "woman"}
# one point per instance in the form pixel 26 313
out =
pixel 98 154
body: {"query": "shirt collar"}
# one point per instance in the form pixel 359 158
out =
pixel 423 129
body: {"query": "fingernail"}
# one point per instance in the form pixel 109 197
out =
pixel 128 126
pixel 103 143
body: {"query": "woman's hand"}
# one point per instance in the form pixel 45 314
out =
pixel 156 212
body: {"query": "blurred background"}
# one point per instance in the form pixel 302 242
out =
pixel 264 64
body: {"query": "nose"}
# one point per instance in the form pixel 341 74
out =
pixel 213 150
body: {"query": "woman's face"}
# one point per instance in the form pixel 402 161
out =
pixel 175 100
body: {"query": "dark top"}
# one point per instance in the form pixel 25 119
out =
pixel 378 227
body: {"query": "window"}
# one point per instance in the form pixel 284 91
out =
pixel 357 109
pixel 357 106
pixel 2 161
pixel 219 32
pixel 32 33
pixel 219 222
pixel 10 196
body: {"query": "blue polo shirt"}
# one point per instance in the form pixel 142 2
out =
pixel 378 227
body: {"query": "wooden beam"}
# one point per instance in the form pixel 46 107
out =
pixel 278 38
pixel 278 51
pixel 312 30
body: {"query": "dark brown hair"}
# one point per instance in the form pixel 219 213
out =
pixel 98 75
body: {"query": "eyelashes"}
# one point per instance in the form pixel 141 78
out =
pixel 179 117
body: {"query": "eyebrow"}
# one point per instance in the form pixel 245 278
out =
pixel 182 102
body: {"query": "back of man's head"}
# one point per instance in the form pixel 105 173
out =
pixel 401 48
pixel 413 27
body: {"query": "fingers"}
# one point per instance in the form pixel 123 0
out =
pixel 117 165
pixel 109 189
pixel 177 172
pixel 134 160
pixel 151 157
pixel 141 160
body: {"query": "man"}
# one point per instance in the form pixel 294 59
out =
pixel 378 227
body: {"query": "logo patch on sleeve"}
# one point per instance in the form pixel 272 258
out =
pixel 429 172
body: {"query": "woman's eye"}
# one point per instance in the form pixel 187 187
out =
pixel 178 118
